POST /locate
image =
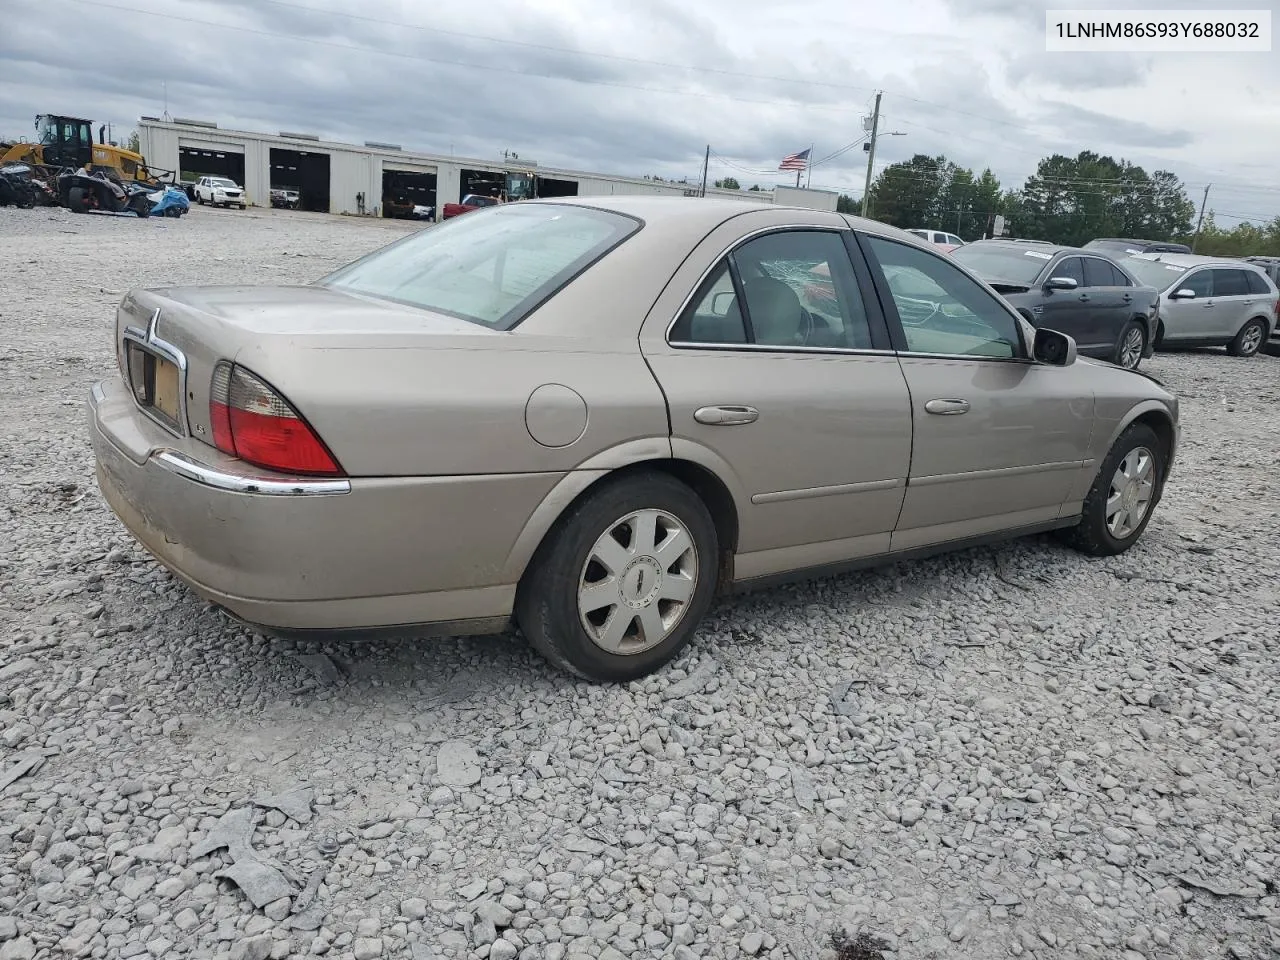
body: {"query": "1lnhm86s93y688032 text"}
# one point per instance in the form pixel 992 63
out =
pixel 1158 31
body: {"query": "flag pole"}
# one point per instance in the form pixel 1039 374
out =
pixel 808 177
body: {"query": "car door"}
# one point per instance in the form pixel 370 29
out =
pixel 1064 310
pixel 1234 303
pixel 1188 319
pixel 780 378
pixel 999 441
pixel 1106 308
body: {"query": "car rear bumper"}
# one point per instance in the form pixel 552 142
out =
pixel 297 554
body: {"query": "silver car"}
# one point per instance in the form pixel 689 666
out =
pixel 595 415
pixel 1209 302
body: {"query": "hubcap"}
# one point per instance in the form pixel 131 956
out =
pixel 637 582
pixel 1252 339
pixel 1129 498
pixel 1131 350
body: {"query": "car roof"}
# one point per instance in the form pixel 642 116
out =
pixel 1052 248
pixel 1194 260
pixel 707 213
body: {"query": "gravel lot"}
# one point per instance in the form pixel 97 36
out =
pixel 1006 752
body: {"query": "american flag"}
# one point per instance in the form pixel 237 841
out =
pixel 796 161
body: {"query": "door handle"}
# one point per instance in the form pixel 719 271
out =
pixel 1127 298
pixel 726 415
pixel 1084 297
pixel 947 408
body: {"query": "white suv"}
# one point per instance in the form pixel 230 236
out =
pixel 219 191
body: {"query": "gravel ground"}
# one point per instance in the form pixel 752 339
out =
pixel 1005 752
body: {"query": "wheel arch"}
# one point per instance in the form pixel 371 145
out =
pixel 1153 414
pixel 1267 321
pixel 690 463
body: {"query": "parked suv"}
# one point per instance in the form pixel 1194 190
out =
pixel 1081 293
pixel 219 191
pixel 1210 301
pixel 1123 247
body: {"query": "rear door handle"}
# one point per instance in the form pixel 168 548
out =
pixel 947 408
pixel 726 415
pixel 1127 298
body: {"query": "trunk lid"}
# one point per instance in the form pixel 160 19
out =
pixel 260 325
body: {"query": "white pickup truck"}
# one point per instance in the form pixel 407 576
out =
pixel 219 191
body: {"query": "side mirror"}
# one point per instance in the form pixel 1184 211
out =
pixel 1060 283
pixel 1053 348
pixel 1186 293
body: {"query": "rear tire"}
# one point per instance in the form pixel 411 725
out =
pixel 76 200
pixel 1130 346
pixel 1249 339
pixel 660 566
pixel 1120 503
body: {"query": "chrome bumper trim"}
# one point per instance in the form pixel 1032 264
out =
pixel 197 472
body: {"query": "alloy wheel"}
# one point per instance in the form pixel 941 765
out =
pixel 637 582
pixel 1131 349
pixel 1132 488
pixel 1251 340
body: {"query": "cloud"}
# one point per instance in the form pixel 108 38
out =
pixel 1090 126
pixel 1070 71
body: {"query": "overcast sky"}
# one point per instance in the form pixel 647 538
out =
pixel 642 86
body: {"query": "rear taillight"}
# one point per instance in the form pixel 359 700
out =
pixel 252 421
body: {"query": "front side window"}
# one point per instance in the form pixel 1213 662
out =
pixel 1069 268
pixel 489 267
pixel 942 310
pixel 1200 283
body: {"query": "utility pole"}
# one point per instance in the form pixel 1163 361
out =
pixel 871 153
pixel 706 162
pixel 1200 221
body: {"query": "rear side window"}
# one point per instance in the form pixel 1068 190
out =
pixel 714 316
pixel 491 267
pixel 798 289
pixel 1098 273
pixel 1230 283
pixel 1257 283
pixel 1118 279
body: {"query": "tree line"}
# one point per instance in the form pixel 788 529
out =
pixel 1068 200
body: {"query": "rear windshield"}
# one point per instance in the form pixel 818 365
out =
pixel 1153 272
pixel 1016 264
pixel 491 267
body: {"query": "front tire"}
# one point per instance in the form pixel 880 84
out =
pixel 1123 496
pixel 618 587
pixel 1249 339
pixel 76 200
pixel 1130 346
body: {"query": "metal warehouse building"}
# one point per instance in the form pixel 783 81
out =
pixel 377 178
